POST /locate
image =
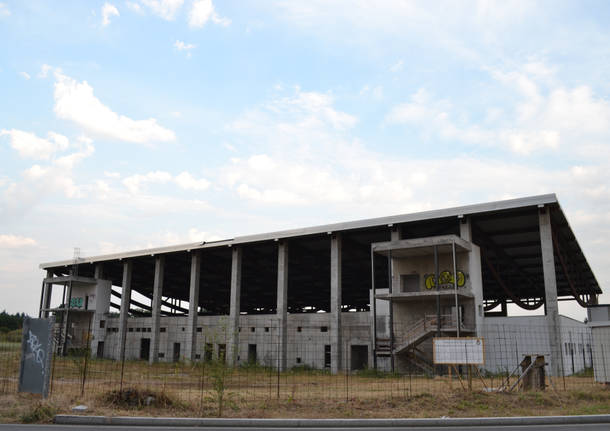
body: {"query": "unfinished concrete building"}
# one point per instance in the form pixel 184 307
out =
pixel 368 293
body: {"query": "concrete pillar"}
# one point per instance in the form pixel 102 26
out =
pixel 335 303
pixel 191 337
pixel 156 309
pixel 99 334
pixel 394 236
pixel 465 228
pixel 125 300
pixel 550 290
pixel 46 296
pixel 282 302
pixel 232 335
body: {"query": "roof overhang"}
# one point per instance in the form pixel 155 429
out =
pixel 461 211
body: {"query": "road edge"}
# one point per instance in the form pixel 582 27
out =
pixel 327 423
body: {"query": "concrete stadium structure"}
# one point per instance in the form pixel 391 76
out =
pixel 365 293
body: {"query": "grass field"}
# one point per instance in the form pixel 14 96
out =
pixel 254 391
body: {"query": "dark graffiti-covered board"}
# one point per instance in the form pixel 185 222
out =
pixel 36 347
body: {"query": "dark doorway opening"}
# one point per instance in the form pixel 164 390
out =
pixel 251 353
pixel 176 356
pixel 100 350
pixel 327 356
pixel 359 357
pixel 209 350
pixel 222 352
pixel 144 348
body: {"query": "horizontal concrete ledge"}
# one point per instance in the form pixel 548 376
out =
pixel 326 423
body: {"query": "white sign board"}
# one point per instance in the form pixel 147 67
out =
pixel 464 350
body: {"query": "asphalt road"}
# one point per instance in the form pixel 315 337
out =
pixel 571 427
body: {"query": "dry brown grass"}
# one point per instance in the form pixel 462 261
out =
pixel 187 390
pixel 451 403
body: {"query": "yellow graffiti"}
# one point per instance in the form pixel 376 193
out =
pixel 445 279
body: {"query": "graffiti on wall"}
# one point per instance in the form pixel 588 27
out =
pixel 76 302
pixel 446 280
pixel 36 350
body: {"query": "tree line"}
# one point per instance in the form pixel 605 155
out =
pixel 10 322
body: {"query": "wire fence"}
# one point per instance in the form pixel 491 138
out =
pixel 250 364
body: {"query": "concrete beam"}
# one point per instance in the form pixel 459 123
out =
pixel 125 300
pixel 282 302
pixel 70 278
pixel 156 308
pixel 335 303
pixel 550 290
pixel 191 337
pixel 232 335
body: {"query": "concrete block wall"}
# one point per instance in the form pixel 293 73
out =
pixel 507 339
pixel 308 334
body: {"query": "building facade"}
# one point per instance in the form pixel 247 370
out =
pixel 369 293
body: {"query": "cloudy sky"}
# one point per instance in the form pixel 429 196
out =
pixel 131 124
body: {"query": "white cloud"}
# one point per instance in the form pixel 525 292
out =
pixel 181 46
pixel 109 174
pixel 188 182
pixel 25 75
pixel 29 145
pixel 134 182
pixel 166 9
pixel 184 180
pixel 16 241
pixel 4 10
pixel 108 10
pixel 41 181
pixel 349 19
pixel 202 11
pixel 76 102
pixel 304 110
pixel 134 7
pixel 44 71
pixel 541 120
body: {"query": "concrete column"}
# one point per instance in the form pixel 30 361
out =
pixel 46 295
pixel 156 309
pixel 97 332
pixel 335 303
pixel 394 236
pixel 550 289
pixel 125 300
pixel 282 302
pixel 233 327
pixel 191 337
pixel 395 233
pixel 465 228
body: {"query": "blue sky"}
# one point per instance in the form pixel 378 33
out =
pixel 131 124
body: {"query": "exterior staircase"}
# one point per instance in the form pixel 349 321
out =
pixel 407 339
pixel 420 331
